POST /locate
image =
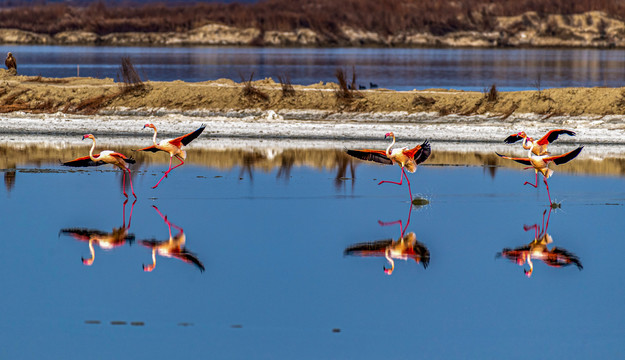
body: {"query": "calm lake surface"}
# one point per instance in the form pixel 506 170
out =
pixel 399 69
pixel 277 283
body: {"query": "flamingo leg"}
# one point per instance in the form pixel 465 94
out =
pixel 536 185
pixel 169 170
pixel 547 185
pixel 124 183
pixel 401 180
pixel 131 189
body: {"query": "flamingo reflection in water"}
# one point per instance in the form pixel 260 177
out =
pixel 173 247
pixel 107 241
pixel 404 248
pixel 537 249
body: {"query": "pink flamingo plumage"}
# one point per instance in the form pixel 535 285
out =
pixel 538 147
pixel 172 146
pixel 105 157
pixel 407 159
pixel 537 249
pixel 107 241
pixel 541 164
pixel 173 247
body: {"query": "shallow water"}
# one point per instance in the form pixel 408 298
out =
pixel 398 69
pixel 277 283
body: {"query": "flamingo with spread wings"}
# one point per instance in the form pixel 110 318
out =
pixel 538 147
pixel 404 248
pixel 540 163
pixel 105 240
pixel 407 159
pixel 537 249
pixel 105 157
pixel 173 247
pixel 172 146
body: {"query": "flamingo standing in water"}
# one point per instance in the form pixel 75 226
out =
pixel 538 147
pixel 172 146
pixel 105 157
pixel 174 247
pixel 540 163
pixel 407 159
pixel 537 249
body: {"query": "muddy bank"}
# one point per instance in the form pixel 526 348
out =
pixel 91 96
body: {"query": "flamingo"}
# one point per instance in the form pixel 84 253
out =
pixel 407 159
pixel 174 247
pixel 172 146
pixel 406 246
pixel 537 249
pixel 105 157
pixel 538 147
pixel 540 163
pixel 107 241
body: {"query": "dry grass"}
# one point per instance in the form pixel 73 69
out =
pixel 287 87
pixel 492 95
pixel 346 93
pixel 251 92
pixel 130 79
pixel 421 100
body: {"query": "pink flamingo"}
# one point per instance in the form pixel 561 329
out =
pixel 406 158
pixel 172 146
pixel 105 157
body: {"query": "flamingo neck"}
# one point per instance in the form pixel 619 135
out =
pixel 525 145
pixel 91 151
pixel 149 268
pixel 389 271
pixel 89 262
pixel 388 149
pixel 528 273
pixel 154 137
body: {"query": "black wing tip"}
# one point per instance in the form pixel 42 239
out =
pixel 512 139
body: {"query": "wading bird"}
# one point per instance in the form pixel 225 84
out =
pixel 10 62
pixel 105 157
pixel 174 247
pixel 538 147
pixel 405 247
pixel 407 159
pixel 172 146
pixel 537 250
pixel 540 163
pixel 107 241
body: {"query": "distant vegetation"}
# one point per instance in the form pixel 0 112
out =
pixel 387 17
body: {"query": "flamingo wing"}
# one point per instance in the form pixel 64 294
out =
pixel 152 148
pixel 420 153
pixel 564 158
pixel 190 258
pixel 423 253
pixel 561 257
pixel 82 234
pixel 552 136
pixel 376 248
pixel 524 161
pixel 378 156
pixel 512 139
pixel 83 161
pixel 186 139
pixel 123 157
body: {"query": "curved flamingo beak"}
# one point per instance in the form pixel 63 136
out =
pixel 388 271
pixel 387 135
pixel 87 262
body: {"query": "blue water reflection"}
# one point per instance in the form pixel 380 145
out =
pixel 399 69
pixel 277 284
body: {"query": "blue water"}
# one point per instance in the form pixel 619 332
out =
pixel 399 69
pixel 277 284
